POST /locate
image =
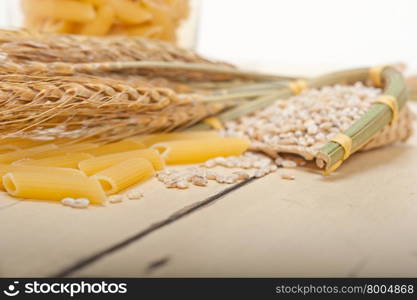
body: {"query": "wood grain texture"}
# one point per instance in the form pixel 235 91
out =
pixel 270 227
pixel 40 238
pixel 275 227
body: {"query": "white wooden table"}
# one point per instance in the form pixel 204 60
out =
pixel 361 221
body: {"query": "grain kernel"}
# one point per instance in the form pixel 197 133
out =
pixel 287 177
pixel 115 198
pixel 134 194
pixel 182 184
pixel 241 175
pixel 199 180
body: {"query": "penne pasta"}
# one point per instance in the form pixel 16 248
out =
pixel 157 19
pixel 121 146
pixel 58 26
pixel 27 153
pixel 148 31
pixel 180 8
pixel 162 16
pixel 69 160
pixel 124 174
pixel 38 169
pixel 97 3
pixel 20 143
pixel 69 10
pixel 52 185
pixel 150 139
pixel 102 23
pixel 61 150
pixel 96 164
pixel 201 150
pixel 32 21
pixel 63 141
pixel 130 12
pixel 8 148
pixel 5 150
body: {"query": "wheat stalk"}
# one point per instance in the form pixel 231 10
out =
pixel 22 45
pixel 44 93
pixel 54 54
pixel 88 106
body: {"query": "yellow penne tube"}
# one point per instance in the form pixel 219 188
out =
pixel 129 12
pixel 197 151
pixel 69 160
pixel 162 16
pixel 101 24
pixel 37 169
pixel 33 21
pixel 150 139
pixel 69 142
pixel 96 164
pixel 148 31
pixel 20 143
pixel 69 10
pixel 8 148
pixel 181 8
pixel 27 153
pixel 61 150
pixel 97 3
pixel 52 186
pixel 57 26
pixel 124 174
pixel 121 146
pixel 62 141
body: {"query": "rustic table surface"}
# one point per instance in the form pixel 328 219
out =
pixel 361 221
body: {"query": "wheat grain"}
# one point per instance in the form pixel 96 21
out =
pixel 261 164
pixel 115 199
pixel 134 194
pixel 302 124
pixel 288 177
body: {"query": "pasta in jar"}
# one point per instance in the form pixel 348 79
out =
pixel 156 19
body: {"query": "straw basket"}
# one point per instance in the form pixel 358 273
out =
pixel 387 121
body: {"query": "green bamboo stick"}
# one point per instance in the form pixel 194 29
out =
pixel 283 91
pixel 199 67
pixel 238 95
pixel 259 86
pixel 246 108
pixel 341 77
pixel 412 88
pixel 377 117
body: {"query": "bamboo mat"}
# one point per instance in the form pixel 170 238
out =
pixel 361 221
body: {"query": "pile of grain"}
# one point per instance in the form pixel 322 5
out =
pixel 299 125
pixel 303 124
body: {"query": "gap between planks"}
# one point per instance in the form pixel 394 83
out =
pixel 152 228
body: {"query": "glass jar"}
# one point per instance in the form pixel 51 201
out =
pixel 173 21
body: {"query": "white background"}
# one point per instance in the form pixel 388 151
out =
pixel 310 35
pixel 304 36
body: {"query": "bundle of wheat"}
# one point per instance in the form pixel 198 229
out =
pixel 87 106
pixel 46 90
pixel 23 45
pixel 54 85
pixel 55 54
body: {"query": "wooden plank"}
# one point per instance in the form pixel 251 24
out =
pixel 359 222
pixel 271 227
pixel 42 238
pixel 6 201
